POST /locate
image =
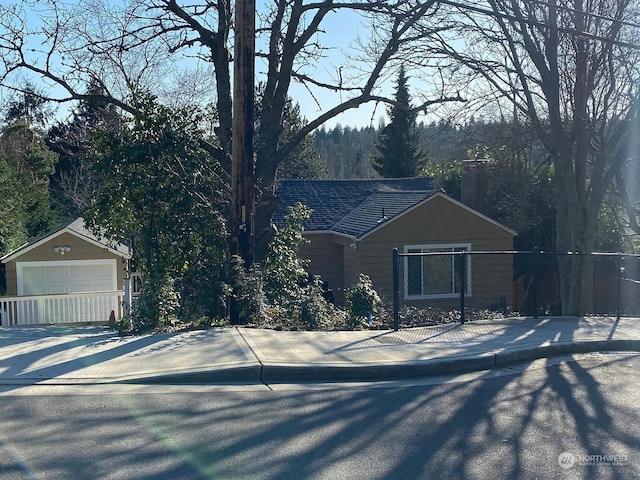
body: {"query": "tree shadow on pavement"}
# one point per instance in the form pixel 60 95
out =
pixel 53 356
pixel 492 427
pixel 514 425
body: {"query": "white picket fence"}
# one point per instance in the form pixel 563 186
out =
pixel 91 307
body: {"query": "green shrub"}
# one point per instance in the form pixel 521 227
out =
pixel 362 301
pixel 284 271
pixel 250 297
pixel 156 305
pixel 281 294
pixel 315 312
pixel 124 326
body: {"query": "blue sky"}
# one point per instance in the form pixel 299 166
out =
pixel 341 30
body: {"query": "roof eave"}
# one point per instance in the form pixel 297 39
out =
pixel 330 232
pixel 426 200
pixel 6 258
pixel 27 247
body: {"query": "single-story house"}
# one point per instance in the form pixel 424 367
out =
pixel 355 224
pixel 69 275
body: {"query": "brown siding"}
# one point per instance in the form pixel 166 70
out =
pixel 334 259
pixel 352 265
pixel 326 259
pixel 440 221
pixel 80 250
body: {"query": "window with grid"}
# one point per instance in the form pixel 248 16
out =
pixel 434 271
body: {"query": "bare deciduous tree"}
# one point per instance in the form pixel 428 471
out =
pixel 572 70
pixel 132 45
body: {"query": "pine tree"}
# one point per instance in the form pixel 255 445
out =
pixel 398 142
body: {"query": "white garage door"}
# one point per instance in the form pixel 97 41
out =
pixel 67 277
pixel 48 278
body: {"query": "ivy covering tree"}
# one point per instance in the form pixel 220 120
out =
pixel 164 192
pixel 398 143
pixel 282 293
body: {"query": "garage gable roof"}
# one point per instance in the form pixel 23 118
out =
pixel 78 229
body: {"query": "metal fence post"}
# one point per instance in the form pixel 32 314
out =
pixel 396 288
pixel 536 274
pixel 619 292
pixel 463 284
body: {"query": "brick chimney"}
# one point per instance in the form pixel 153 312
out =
pixel 473 185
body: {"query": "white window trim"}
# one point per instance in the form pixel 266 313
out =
pixel 436 246
pixel 56 263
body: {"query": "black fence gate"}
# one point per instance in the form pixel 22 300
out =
pixel 476 284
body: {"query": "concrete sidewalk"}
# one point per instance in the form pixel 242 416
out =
pixel 69 355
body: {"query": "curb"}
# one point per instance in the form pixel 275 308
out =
pixel 546 351
pixel 226 375
pixel 284 373
pixel 231 374
pixel 272 373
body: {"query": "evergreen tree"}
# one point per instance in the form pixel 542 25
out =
pixel 13 232
pixel 346 152
pixel 25 150
pixel 399 142
pixel 26 165
pixel 303 161
pixel 30 107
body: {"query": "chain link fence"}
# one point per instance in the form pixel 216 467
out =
pixel 454 283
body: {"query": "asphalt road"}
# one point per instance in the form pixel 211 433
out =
pixel 551 419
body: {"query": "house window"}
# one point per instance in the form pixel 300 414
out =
pixel 435 271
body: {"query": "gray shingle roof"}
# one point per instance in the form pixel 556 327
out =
pixel 352 207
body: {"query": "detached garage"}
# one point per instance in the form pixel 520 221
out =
pixel 67 276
